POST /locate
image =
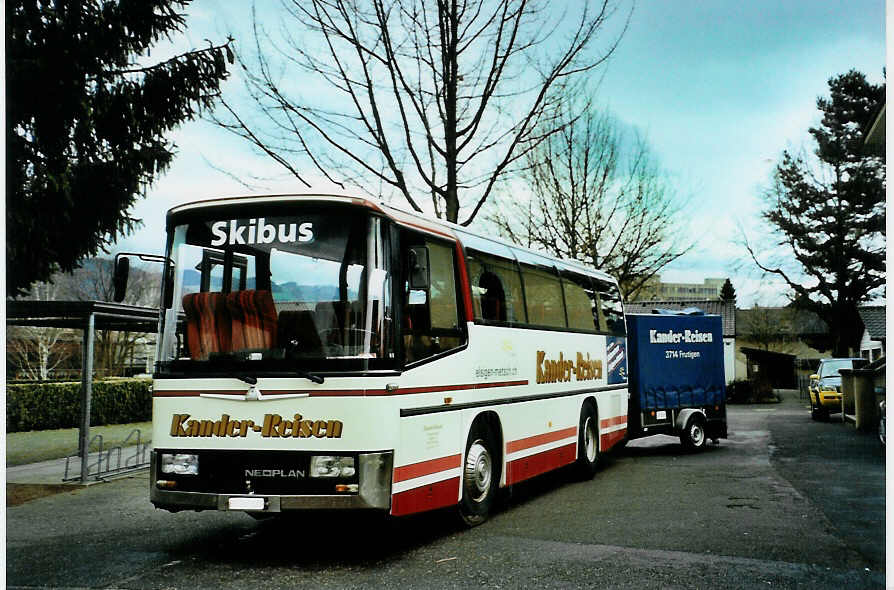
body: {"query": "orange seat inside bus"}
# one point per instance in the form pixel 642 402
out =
pixel 208 327
pixel 253 319
pixel 216 322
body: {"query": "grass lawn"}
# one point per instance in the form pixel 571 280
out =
pixel 42 445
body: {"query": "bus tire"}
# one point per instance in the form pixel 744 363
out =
pixel 480 476
pixel 588 455
pixel 694 436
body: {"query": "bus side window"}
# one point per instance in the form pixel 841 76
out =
pixel 493 297
pixel 599 314
pixel 543 293
pixel 431 318
pixel 611 309
pixel 579 302
pixel 496 289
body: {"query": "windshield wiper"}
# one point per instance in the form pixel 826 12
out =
pixel 315 378
pixel 310 376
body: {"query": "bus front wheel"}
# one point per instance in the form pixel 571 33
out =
pixel 480 476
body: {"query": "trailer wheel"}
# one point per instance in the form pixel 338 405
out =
pixel 694 436
pixel 480 476
pixel 588 454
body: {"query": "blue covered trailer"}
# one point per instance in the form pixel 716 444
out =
pixel 677 382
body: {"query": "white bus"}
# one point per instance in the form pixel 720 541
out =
pixel 334 352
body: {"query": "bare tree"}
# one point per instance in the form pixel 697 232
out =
pixel 93 282
pixel 37 351
pixel 771 328
pixel 593 195
pixel 412 98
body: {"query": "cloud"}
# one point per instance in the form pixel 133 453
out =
pixel 719 89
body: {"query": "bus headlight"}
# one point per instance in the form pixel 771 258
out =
pixel 331 466
pixel 180 464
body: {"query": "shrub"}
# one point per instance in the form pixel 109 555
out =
pixel 48 406
pixel 739 391
pixel 743 391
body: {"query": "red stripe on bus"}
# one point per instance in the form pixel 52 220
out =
pixel 540 439
pixel 349 392
pixel 609 440
pixel 427 497
pixel 527 467
pixel 609 422
pixel 501 384
pixel 439 388
pixel 415 470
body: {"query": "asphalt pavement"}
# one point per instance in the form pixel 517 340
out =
pixel 784 502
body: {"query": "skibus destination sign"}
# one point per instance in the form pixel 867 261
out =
pixel 259 231
pixel 311 234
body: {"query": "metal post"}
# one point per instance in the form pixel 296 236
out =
pixel 86 394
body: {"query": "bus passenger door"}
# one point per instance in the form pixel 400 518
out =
pixel 430 315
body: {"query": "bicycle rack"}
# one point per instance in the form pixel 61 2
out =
pixel 134 458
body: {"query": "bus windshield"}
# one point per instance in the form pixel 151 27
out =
pixel 277 290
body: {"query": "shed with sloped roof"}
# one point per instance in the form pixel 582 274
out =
pixel 872 344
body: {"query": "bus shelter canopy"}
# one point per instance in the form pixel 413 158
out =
pixel 75 314
pixel 87 316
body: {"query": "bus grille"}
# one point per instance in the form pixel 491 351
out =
pixel 260 472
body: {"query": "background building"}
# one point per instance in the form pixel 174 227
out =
pixel 657 290
pixel 872 345
pixel 771 341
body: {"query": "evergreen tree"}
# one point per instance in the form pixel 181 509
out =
pixel 828 213
pixel 727 292
pixel 86 122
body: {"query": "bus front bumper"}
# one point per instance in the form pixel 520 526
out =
pixel 374 492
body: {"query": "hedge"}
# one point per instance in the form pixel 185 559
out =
pixel 48 406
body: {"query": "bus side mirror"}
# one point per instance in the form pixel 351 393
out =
pixel 119 279
pixel 420 277
pixel 814 377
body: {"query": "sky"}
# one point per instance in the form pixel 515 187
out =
pixel 718 88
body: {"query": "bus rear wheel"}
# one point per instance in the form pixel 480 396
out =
pixel 588 442
pixel 480 476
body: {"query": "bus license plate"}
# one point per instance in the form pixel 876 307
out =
pixel 247 503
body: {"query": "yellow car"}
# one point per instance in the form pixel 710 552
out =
pixel 825 386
